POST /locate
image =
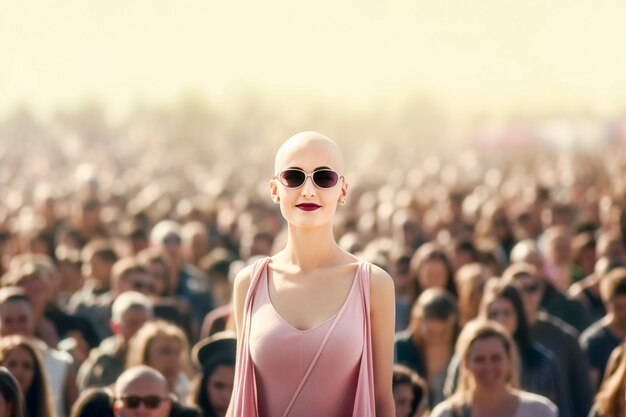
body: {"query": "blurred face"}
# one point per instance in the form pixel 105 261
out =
pixel 433 274
pixel 488 362
pixel 502 311
pixel 100 268
pixel 159 272
pixel 16 317
pixel 165 355
pixel 403 398
pixel 531 290
pixel 437 331
pixel 560 250
pixel 37 292
pixel 171 244
pixel 308 206
pixel 21 364
pixel 401 276
pixel 132 400
pixel 143 282
pixel 220 387
pixel 617 307
pixel 199 245
pixel 132 320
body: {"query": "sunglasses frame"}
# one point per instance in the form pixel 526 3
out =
pixel 306 176
pixel 143 400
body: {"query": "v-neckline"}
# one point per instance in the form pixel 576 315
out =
pixel 323 322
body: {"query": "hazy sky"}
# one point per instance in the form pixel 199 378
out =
pixel 487 55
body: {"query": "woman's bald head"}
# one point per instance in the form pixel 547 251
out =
pixel 308 150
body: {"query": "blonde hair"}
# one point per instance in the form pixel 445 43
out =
pixel 607 399
pixel 481 329
pixel 140 343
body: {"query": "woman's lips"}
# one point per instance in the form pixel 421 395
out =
pixel 308 206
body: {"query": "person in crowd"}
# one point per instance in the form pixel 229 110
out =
pixel 129 312
pixel 553 300
pixel 556 248
pixel 310 297
pixel 488 380
pixel 214 385
pixel 599 340
pixel 587 290
pixel 404 285
pixel 127 275
pixel 431 268
pixel 94 402
pixel 540 371
pixel 185 280
pixel 470 282
pixel 556 335
pixel 141 390
pixel 194 242
pixel 610 401
pixel 17 318
pixel 583 255
pixel 410 392
pixel 170 308
pixel 428 344
pixel 25 363
pixel 493 224
pixel 98 258
pixel 11 397
pixel 164 347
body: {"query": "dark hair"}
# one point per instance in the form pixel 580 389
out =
pixel 94 402
pixel 522 336
pixel 403 375
pixel 10 390
pixel 200 394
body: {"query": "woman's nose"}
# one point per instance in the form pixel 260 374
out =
pixel 308 188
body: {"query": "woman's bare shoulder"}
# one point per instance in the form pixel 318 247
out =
pixel 243 280
pixel 379 278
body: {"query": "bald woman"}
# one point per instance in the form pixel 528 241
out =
pixel 315 324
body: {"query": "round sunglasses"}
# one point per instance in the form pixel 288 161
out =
pixel 295 178
pixel 151 401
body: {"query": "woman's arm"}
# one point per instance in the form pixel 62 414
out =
pixel 240 290
pixel 383 323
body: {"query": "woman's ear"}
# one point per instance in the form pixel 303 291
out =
pixel 274 191
pixel 344 192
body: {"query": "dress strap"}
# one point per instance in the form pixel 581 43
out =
pixel 364 405
pixel 245 398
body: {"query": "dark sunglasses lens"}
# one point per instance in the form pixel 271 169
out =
pixel 152 402
pixel 325 178
pixel 172 240
pixel 132 402
pixel 292 178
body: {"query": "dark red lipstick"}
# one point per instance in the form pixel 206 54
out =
pixel 308 206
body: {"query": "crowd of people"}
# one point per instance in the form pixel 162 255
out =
pixel 116 272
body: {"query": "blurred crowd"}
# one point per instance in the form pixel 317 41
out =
pixel 118 250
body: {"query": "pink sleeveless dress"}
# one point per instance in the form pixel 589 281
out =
pixel 324 371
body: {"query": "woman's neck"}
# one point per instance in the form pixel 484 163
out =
pixel 310 248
